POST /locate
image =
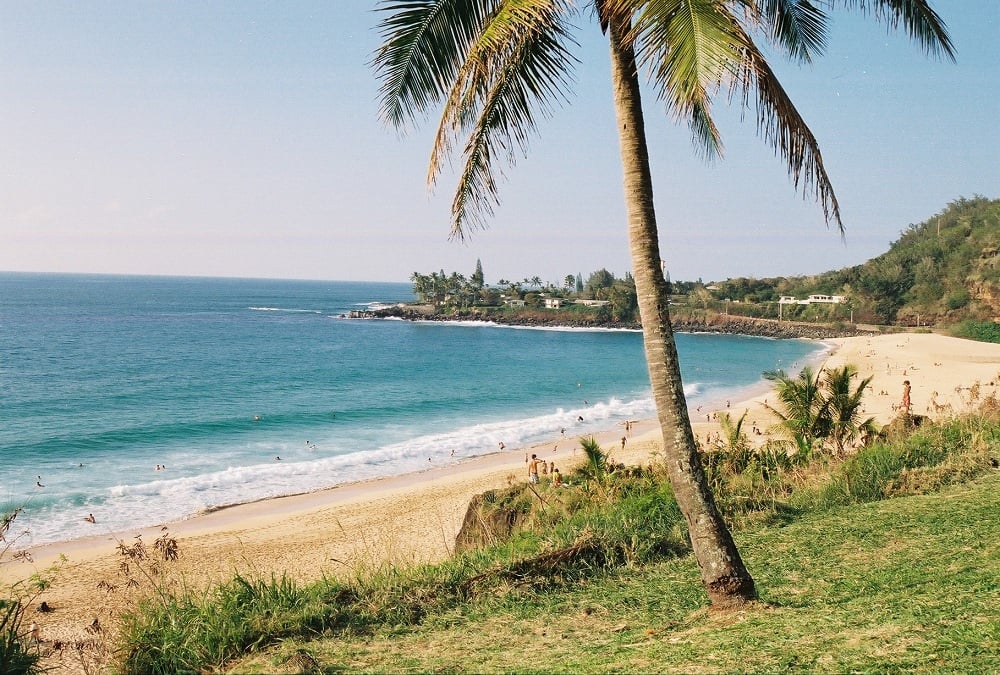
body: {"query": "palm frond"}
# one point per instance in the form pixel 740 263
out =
pixel 518 67
pixel 424 46
pixel 691 48
pixel 597 460
pixel 918 18
pixel 784 129
pixel 799 26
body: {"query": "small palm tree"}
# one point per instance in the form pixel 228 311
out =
pixel 820 408
pixel 737 448
pixel 845 410
pixel 596 468
pixel 804 417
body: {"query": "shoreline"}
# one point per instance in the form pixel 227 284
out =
pixel 688 322
pixel 414 518
pixel 472 439
pixel 209 520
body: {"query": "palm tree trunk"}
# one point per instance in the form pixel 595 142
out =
pixel 723 573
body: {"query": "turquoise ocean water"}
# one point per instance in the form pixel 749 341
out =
pixel 105 378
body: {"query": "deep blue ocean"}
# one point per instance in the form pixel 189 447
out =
pixel 145 400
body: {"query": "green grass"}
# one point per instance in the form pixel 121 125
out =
pixel 849 578
pixel 904 585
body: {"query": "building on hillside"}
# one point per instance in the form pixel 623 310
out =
pixel 817 298
pixel 831 299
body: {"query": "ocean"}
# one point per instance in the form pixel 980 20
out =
pixel 145 400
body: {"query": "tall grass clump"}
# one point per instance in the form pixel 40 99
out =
pixel 188 631
pixel 17 654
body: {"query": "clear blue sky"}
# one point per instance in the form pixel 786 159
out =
pixel 241 139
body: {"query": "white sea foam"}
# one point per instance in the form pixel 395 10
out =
pixel 171 496
pixel 285 309
pixel 325 462
pixel 553 329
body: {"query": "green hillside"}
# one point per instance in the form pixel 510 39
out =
pixel 941 271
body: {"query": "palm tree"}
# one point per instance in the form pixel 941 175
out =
pixel 816 411
pixel 844 408
pixel 596 466
pixel 738 450
pixel 805 416
pixel 495 64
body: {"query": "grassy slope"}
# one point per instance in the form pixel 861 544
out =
pixel 908 584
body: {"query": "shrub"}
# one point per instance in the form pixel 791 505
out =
pixel 981 331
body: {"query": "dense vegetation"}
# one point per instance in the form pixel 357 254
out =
pixel 941 271
pixel 603 297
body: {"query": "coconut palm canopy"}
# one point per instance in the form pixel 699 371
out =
pixel 494 66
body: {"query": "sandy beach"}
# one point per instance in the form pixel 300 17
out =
pixel 415 518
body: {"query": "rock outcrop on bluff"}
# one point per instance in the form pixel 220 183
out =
pixel 701 323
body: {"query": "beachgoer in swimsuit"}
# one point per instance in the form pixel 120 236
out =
pixel 533 470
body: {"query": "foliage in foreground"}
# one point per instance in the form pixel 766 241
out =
pixel 573 541
pixel 570 534
pixel 18 643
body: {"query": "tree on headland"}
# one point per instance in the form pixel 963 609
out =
pixel 477 279
pixel 495 63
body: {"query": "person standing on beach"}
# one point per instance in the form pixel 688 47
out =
pixel 906 397
pixel 533 469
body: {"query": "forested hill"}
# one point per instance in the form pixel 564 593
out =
pixel 942 271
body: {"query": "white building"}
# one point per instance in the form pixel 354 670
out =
pixel 818 298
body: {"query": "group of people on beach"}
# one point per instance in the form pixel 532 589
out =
pixel 538 466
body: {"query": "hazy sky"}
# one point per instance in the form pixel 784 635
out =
pixel 242 139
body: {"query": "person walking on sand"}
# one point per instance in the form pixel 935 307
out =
pixel 533 469
pixel 906 397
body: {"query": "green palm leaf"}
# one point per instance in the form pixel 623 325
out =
pixel 921 22
pixel 425 42
pixel 796 25
pixel 518 67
